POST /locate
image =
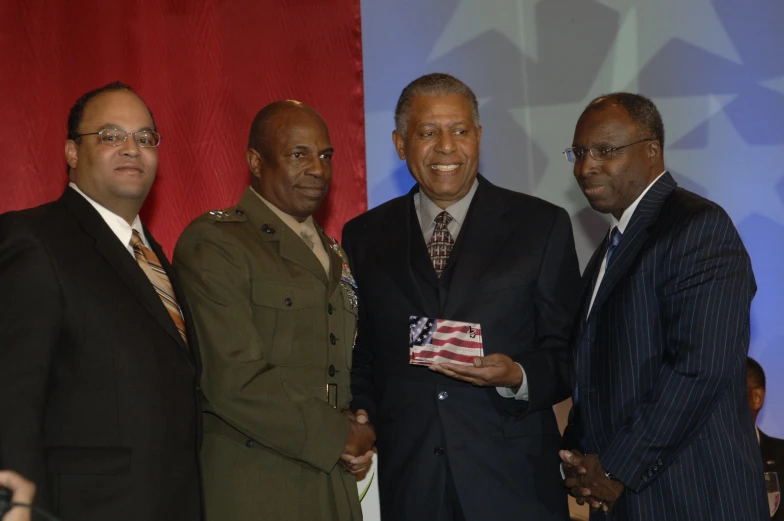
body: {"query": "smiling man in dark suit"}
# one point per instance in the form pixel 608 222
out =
pixel 478 442
pixel 99 401
pixel 660 342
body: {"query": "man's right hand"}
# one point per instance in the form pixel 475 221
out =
pixel 361 436
pixel 357 463
pixel 23 492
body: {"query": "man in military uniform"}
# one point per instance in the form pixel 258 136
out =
pixel 276 315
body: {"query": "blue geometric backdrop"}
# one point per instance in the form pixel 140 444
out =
pixel 714 69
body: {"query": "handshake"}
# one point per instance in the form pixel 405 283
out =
pixel 358 452
pixel 588 482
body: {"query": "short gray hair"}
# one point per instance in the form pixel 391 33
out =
pixel 434 84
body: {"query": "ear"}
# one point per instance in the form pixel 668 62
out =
pixel 479 137
pixel 71 153
pixel 400 144
pixel 253 158
pixel 757 398
pixel 654 150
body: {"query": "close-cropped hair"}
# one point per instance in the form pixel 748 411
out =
pixel 641 109
pixel 434 84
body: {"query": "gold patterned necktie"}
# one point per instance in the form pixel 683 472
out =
pixel 441 242
pixel 151 267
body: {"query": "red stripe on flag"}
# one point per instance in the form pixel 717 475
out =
pixel 456 342
pixel 444 354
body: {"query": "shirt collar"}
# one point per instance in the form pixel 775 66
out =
pixel 626 216
pixel 428 210
pixel 287 219
pixel 118 225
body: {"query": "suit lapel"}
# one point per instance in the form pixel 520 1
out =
pixel 118 257
pixel 400 250
pixel 271 229
pixel 633 239
pixel 481 237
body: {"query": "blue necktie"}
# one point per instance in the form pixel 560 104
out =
pixel 615 239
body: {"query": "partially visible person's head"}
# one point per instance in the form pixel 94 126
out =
pixel 618 150
pixel 116 174
pixel 437 133
pixel 290 157
pixel 755 386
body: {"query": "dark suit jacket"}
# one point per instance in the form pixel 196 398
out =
pixel 99 400
pixel 772 450
pixel 661 364
pixel 513 270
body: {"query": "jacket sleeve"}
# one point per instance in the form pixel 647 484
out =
pixel 239 384
pixel 31 312
pixel 362 388
pixel 547 367
pixel 704 302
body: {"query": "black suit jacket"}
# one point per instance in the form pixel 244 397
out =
pixel 661 364
pixel 99 400
pixel 772 450
pixel 513 270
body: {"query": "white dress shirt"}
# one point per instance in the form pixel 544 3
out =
pixel 427 211
pixel 118 225
pixel 621 223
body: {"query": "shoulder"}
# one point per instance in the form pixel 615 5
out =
pixel 215 226
pixel 683 205
pixel 393 208
pixel 39 222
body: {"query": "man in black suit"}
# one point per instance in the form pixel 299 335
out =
pixel 661 338
pixel 99 405
pixel 772 449
pixel 479 442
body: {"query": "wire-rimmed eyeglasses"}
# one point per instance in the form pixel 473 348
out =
pixel 577 154
pixel 115 137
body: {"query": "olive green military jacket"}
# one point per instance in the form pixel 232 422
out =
pixel 276 336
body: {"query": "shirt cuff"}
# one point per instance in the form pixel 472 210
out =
pixel 517 394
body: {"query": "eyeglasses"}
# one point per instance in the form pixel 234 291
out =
pixel 114 137
pixel 577 154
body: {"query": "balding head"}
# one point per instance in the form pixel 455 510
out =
pixel 263 124
pixel 290 157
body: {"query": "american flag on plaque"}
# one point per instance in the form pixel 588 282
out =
pixel 434 340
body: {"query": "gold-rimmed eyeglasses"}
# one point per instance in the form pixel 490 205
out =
pixel 115 137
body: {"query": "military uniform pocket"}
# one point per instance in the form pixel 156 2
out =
pixel 285 319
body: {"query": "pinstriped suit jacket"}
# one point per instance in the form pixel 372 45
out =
pixel 660 365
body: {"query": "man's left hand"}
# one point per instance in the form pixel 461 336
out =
pixel 496 370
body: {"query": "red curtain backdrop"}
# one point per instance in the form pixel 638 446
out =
pixel 204 67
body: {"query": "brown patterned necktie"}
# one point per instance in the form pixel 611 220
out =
pixel 151 267
pixel 441 242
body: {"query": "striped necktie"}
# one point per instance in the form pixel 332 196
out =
pixel 151 267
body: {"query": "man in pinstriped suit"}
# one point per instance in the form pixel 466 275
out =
pixel 661 429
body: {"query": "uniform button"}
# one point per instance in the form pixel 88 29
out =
pixel 287 301
pixel 438 451
pixel 268 229
pixel 239 212
pixel 331 370
pixel 443 395
pixel 332 339
pixel 250 444
pixel 329 309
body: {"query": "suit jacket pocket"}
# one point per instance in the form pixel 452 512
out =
pixel 284 316
pixel 541 423
pixel 88 460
